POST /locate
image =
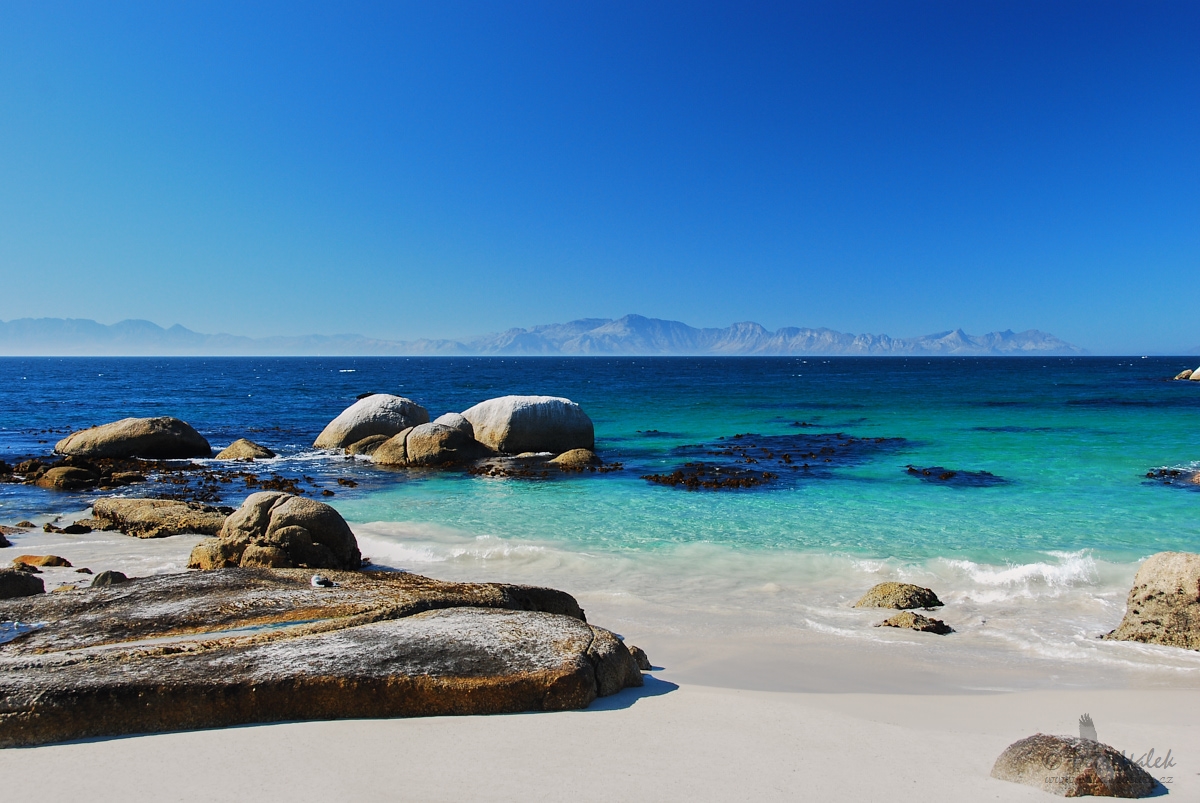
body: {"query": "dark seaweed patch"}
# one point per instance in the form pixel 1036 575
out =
pixel 947 476
pixel 1164 401
pixel 750 460
pixel 1002 403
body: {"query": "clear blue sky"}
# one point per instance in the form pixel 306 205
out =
pixel 444 169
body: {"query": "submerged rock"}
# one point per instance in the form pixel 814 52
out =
pixel 898 595
pixel 15 583
pixel 915 621
pixel 516 424
pixel 265 645
pixel 157 518
pixel 1163 606
pixel 274 529
pixel 243 449
pixel 162 438
pixel 377 414
pixel 1072 767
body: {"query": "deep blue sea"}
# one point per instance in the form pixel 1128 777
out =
pixel 1065 514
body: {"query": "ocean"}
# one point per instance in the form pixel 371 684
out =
pixel 1029 524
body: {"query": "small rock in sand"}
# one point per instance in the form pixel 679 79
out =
pixel 1072 767
pixel 640 657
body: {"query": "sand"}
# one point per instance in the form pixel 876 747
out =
pixel 663 742
pixel 765 714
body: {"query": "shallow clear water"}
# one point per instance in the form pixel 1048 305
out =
pixel 1071 438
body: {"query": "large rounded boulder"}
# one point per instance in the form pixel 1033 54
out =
pixel 430 445
pixel 280 530
pixel 161 438
pixel 377 414
pixel 517 424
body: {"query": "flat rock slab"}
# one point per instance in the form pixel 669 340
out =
pixel 157 518
pixel 236 646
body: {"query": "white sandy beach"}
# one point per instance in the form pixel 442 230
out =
pixel 659 743
pixel 767 714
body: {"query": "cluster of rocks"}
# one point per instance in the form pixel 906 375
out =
pixel 1188 373
pixel 395 431
pixel 905 597
pixel 247 643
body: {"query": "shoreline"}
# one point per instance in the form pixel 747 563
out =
pixel 747 622
pixel 736 707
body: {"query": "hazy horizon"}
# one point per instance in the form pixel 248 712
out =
pixel 630 335
pixel 410 171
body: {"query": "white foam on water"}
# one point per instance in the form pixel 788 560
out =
pixel 1045 615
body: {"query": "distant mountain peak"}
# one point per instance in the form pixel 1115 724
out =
pixel 632 335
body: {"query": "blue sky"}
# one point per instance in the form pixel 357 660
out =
pixel 447 169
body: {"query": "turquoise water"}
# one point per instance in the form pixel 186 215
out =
pixel 1033 561
pixel 1071 437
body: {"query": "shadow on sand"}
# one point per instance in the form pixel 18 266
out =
pixel 625 698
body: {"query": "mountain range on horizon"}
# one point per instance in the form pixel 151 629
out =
pixel 631 335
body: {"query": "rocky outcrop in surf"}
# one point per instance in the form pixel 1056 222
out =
pixel 915 621
pixel 280 530
pixel 1163 606
pixel 376 414
pixel 898 595
pixel 238 646
pixel 161 438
